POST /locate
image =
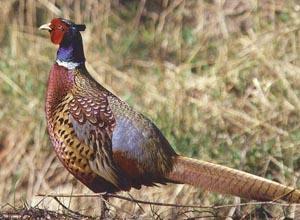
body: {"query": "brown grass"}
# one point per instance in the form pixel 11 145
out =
pixel 220 78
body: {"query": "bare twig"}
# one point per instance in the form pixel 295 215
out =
pixel 66 208
pixel 163 204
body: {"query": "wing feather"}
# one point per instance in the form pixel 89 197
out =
pixel 93 122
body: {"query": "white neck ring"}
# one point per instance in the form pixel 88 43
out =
pixel 68 65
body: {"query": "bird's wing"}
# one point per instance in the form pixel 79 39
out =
pixel 93 123
pixel 137 144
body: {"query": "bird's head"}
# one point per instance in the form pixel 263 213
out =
pixel 62 30
pixel 67 34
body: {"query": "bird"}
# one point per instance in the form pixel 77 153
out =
pixel 110 147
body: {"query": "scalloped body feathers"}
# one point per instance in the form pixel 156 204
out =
pixel 99 138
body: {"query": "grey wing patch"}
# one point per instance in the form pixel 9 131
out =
pixel 127 138
pixel 140 139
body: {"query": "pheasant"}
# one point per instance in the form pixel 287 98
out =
pixel 110 147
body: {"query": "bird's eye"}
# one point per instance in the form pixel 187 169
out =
pixel 60 27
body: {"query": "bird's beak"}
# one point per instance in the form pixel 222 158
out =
pixel 45 27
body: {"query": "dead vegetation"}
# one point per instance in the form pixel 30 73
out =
pixel 220 78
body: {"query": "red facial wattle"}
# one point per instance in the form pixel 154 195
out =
pixel 56 36
pixel 58 29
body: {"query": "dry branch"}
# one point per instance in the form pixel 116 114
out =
pixel 131 199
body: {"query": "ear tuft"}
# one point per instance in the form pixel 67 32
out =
pixel 80 27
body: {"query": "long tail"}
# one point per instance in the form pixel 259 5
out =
pixel 226 180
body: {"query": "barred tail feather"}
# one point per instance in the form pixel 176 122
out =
pixel 226 180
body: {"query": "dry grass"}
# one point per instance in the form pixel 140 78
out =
pixel 220 78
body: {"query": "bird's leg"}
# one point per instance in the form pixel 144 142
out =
pixel 104 209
